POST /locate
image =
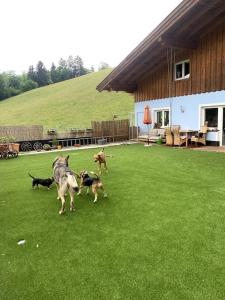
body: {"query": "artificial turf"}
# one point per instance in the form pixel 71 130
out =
pixel 160 234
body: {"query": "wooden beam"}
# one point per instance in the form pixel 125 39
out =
pixel 214 19
pixel 177 44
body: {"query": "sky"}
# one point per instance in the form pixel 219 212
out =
pixel 96 30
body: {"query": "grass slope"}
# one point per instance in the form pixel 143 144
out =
pixel 159 235
pixel 68 104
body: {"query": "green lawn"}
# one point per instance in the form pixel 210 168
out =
pixel 69 104
pixel 160 234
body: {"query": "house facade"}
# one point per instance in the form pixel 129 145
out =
pixel 178 70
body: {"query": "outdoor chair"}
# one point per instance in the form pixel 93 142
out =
pixel 175 127
pixel 178 140
pixel 169 137
pixel 200 137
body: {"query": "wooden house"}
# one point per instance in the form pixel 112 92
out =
pixel 179 70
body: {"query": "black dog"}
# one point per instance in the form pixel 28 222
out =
pixel 45 182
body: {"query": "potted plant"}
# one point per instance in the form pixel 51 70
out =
pixel 54 143
pixel 52 131
pixel 159 141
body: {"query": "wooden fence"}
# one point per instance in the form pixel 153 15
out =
pixel 22 133
pixel 113 131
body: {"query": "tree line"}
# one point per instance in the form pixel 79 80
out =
pixel 12 84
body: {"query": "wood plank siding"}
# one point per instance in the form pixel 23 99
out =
pixel 207 70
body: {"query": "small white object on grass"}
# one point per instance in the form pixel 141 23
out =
pixel 21 242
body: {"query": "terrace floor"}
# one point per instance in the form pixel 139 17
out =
pixel 210 148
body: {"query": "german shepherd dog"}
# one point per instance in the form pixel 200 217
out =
pixel 44 182
pixel 93 182
pixel 100 159
pixel 65 180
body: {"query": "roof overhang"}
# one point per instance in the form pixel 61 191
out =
pixel 181 29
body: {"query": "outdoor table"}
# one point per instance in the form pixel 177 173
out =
pixel 187 133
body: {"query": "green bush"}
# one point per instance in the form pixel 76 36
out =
pixel 7 139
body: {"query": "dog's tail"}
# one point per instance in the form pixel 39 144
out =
pixel 31 175
pixel 97 176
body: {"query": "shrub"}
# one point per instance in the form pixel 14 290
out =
pixel 7 139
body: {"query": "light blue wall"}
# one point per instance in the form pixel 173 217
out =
pixel 190 104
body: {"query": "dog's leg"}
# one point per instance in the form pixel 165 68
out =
pixel 62 205
pixel 62 197
pixel 62 192
pixel 94 191
pixel 103 190
pixel 105 166
pixel 99 168
pixel 88 191
pixel 80 190
pixel 71 200
pixel 57 185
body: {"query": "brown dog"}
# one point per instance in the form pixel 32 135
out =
pixel 100 159
pixel 93 182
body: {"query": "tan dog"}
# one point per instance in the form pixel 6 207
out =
pixel 65 180
pixel 100 159
pixel 93 182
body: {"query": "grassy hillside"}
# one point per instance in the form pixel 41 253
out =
pixel 72 103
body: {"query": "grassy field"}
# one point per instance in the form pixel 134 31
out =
pixel 159 234
pixel 69 104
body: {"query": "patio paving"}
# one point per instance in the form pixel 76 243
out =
pixel 210 148
pixel 91 146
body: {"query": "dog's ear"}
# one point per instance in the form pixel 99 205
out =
pixel 55 160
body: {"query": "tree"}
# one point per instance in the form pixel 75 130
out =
pixel 63 70
pixel 54 73
pixel 92 69
pixel 80 70
pixel 28 85
pixel 103 65
pixel 14 81
pixel 3 93
pixel 43 77
pixel 71 63
pixel 63 63
pixel 31 74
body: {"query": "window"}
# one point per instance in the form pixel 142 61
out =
pixel 211 116
pixel 182 70
pixel 162 117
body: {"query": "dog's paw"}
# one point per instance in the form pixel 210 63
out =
pixel 95 201
pixel 61 212
pixel 72 209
